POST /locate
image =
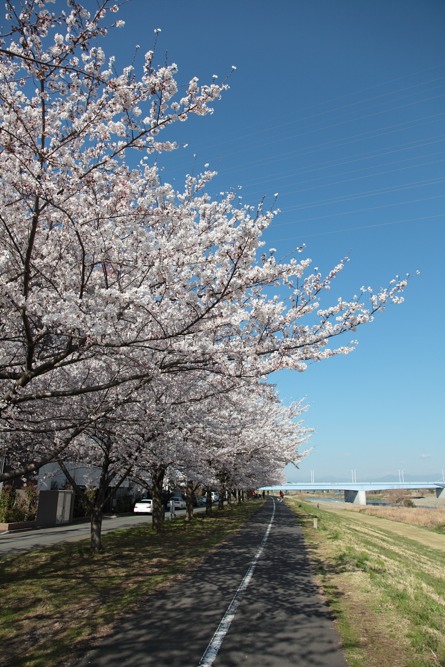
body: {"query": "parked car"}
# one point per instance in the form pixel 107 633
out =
pixel 215 497
pixel 143 506
pixel 178 503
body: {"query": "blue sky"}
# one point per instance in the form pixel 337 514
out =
pixel 339 106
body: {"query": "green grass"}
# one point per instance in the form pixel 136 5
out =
pixel 54 600
pixel 372 575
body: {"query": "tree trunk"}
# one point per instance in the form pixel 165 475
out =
pixel 96 528
pixel 222 492
pixel 157 478
pixel 96 499
pixel 208 502
pixel 189 500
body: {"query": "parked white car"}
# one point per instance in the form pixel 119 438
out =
pixel 178 503
pixel 143 506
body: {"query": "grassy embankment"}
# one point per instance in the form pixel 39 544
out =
pixel 386 588
pixel 53 601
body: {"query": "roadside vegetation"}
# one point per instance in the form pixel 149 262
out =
pixel 18 505
pixel 414 516
pixel 56 601
pixel 423 511
pixel 387 590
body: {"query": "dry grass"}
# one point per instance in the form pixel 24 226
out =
pixel 432 519
pixel 428 512
pixel 385 584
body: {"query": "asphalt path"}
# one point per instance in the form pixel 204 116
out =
pixel 28 540
pixel 251 603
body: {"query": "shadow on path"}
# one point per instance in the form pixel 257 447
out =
pixel 281 620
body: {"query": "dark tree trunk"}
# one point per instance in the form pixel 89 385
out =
pixel 189 500
pixel 96 499
pixel 208 502
pixel 157 476
pixel 224 488
pixel 221 499
pixel 96 527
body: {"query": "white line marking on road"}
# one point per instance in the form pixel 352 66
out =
pixel 215 643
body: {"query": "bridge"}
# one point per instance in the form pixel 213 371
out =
pixel 355 492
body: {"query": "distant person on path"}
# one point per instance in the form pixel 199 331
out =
pixel 281 495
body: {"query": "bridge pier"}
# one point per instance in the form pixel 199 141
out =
pixel 356 497
pixel 440 492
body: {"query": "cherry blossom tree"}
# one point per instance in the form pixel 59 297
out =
pixel 198 431
pixel 140 438
pixel 243 439
pixel 161 423
pixel 111 462
pixel 110 278
pixel 237 436
pixel 66 122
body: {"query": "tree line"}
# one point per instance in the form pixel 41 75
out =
pixel 139 323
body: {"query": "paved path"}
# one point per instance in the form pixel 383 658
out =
pixel 40 538
pixel 21 541
pixel 279 620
